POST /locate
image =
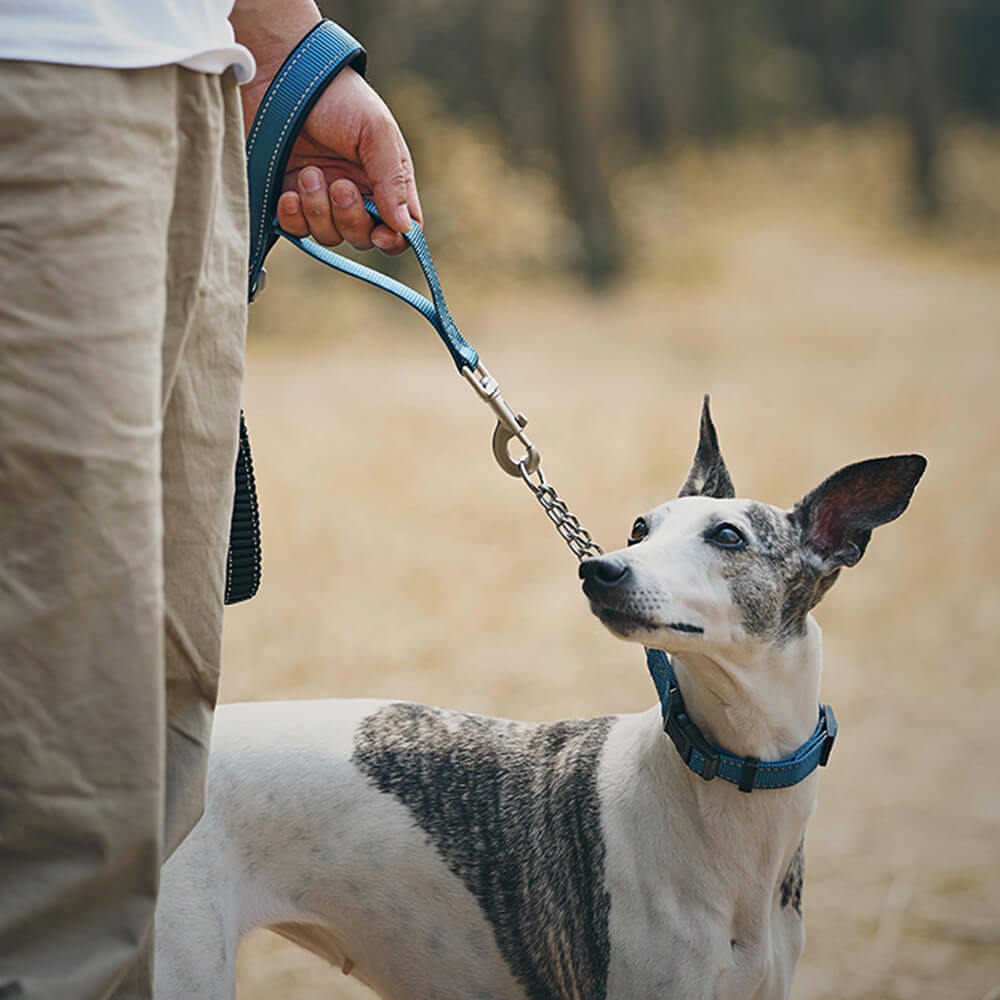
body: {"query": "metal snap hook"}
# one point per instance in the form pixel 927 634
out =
pixel 509 425
pixel 502 436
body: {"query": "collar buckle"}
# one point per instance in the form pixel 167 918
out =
pixel 829 733
pixel 688 738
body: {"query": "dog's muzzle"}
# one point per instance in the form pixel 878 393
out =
pixel 602 576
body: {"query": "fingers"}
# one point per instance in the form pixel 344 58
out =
pixel 316 207
pixel 386 160
pixel 290 216
pixel 333 214
pixel 350 215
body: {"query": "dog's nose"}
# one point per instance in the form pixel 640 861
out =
pixel 603 573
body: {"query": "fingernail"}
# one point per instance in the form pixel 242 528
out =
pixel 403 220
pixel 343 194
pixel 290 203
pixel 383 242
pixel 312 180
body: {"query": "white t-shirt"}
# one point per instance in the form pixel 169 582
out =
pixel 124 34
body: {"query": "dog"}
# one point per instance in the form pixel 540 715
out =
pixel 436 855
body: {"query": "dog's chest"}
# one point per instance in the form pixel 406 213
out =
pixel 702 907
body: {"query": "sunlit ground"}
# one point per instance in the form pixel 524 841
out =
pixel 400 562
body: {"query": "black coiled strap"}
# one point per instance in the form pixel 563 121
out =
pixel 243 563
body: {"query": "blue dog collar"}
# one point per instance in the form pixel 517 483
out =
pixel 709 761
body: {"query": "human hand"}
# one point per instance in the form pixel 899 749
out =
pixel 349 146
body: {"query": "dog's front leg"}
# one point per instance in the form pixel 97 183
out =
pixel 197 926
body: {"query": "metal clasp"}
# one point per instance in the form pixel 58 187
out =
pixel 260 286
pixel 510 425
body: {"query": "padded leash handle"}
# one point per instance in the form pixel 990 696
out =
pixel 293 92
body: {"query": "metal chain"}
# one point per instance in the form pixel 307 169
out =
pixel 510 425
pixel 567 524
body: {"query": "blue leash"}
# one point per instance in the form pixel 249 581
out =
pixel 323 53
pixel 320 56
pixel 434 310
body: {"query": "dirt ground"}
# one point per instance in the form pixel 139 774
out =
pixel 400 562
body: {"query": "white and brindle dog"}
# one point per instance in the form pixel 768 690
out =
pixel 438 855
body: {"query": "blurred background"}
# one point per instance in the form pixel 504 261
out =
pixel 794 207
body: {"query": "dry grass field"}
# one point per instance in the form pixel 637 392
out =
pixel 400 562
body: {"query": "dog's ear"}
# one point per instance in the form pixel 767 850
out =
pixel 838 516
pixel 709 476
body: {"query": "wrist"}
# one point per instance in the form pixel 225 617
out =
pixel 271 30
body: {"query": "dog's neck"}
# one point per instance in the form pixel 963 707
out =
pixel 742 868
pixel 764 706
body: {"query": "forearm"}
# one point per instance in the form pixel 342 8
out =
pixel 270 29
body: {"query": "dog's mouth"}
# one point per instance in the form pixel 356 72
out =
pixel 622 622
pixel 626 623
pixel 686 627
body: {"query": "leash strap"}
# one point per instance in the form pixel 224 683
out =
pixel 434 310
pixel 709 761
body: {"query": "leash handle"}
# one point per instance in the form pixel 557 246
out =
pixel 293 92
pixel 296 87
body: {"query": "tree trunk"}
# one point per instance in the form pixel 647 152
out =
pixel 920 29
pixel 578 58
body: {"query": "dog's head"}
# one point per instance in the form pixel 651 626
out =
pixel 710 573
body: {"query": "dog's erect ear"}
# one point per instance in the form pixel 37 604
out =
pixel 838 516
pixel 709 476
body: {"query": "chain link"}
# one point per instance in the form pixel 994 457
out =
pixel 567 524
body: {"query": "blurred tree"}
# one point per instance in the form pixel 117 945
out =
pixel 644 42
pixel 975 66
pixel 576 49
pixel 717 85
pixel 579 87
pixel 920 24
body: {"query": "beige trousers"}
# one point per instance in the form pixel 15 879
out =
pixel 123 253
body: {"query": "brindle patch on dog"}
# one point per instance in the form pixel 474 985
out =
pixel 513 810
pixel 773 581
pixel 791 884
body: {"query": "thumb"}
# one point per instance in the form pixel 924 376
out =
pixel 386 160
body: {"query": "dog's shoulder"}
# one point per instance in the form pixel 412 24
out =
pixel 514 811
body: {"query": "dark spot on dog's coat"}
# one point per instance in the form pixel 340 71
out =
pixel 513 810
pixel 773 582
pixel 791 884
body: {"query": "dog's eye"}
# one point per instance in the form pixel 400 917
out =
pixel 727 537
pixel 639 531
